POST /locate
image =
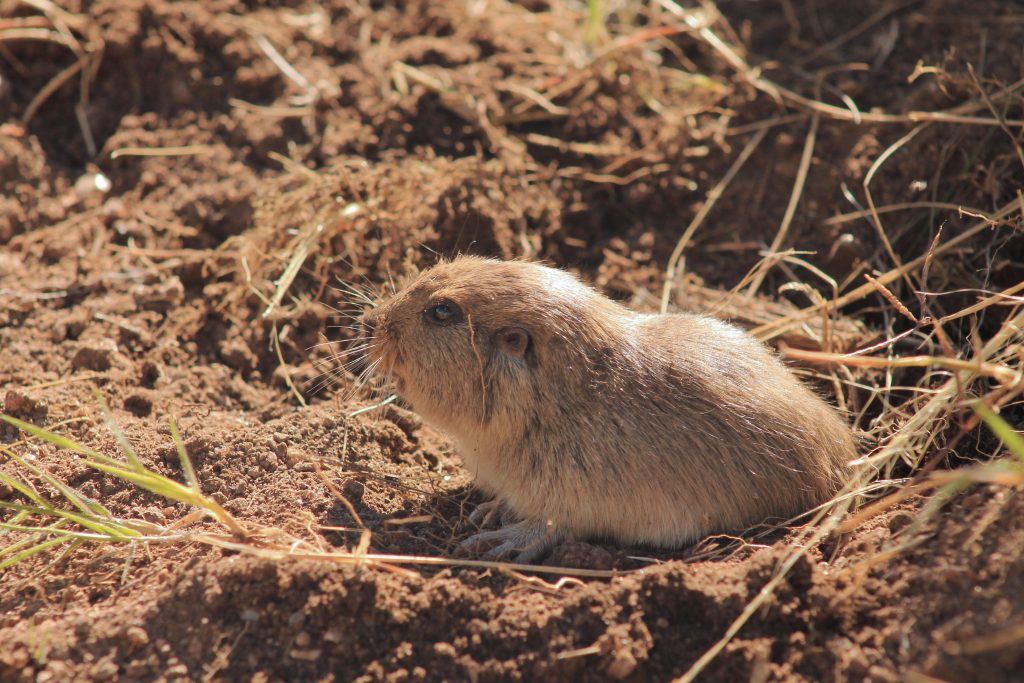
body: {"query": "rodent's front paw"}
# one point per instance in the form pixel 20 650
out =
pixel 523 542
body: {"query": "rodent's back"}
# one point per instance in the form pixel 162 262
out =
pixel 771 447
pixel 690 427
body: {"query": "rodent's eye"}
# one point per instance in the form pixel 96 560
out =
pixel 444 313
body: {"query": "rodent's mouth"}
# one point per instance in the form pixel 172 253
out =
pixel 386 359
pixel 391 372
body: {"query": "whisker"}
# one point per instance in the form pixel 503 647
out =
pixel 367 376
pixel 356 292
pixel 354 310
pixel 323 343
pixel 370 285
pixel 327 379
pixel 350 315
pixel 344 363
pixel 340 366
pixel 345 352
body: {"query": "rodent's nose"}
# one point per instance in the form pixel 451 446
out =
pixel 369 320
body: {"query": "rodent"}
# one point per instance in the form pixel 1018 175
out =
pixel 588 420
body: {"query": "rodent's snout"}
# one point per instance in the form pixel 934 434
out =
pixel 369 321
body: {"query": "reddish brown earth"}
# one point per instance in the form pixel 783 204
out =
pixel 153 292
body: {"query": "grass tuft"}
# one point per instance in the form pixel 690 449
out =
pixel 47 523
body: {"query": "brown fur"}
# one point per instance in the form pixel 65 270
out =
pixel 613 424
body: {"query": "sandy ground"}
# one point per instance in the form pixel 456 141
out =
pixel 378 136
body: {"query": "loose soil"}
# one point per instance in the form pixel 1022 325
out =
pixel 379 137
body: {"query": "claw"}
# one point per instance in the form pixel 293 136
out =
pixel 486 514
pixel 523 542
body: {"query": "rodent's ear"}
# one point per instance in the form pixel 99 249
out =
pixel 512 341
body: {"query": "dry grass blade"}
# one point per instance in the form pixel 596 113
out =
pixel 300 249
pixel 946 484
pixel 1000 639
pixel 869 176
pixel 382 560
pixel 389 399
pixel 713 196
pixel 996 114
pixel 1005 296
pixel 340 497
pixel 918 426
pixel 904 206
pixel 49 89
pixel 88 54
pixel 187 150
pixel 830 518
pixel 1000 373
pixel 818 529
pixel 794 200
pixel 886 10
pixel 782 325
pixel 699 25
pixel 910 441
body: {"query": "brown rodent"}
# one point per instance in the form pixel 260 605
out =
pixel 587 420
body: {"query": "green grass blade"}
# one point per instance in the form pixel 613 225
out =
pixel 34 550
pixel 17 545
pixel 15 520
pixel 186 463
pixel 85 505
pixel 152 482
pixel 64 533
pixel 21 487
pixel 595 21
pixel 122 440
pixel 55 439
pixel 1013 441
pixel 168 488
pixel 105 527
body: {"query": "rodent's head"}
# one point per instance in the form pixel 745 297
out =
pixel 471 341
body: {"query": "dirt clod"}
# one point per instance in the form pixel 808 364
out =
pixel 97 356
